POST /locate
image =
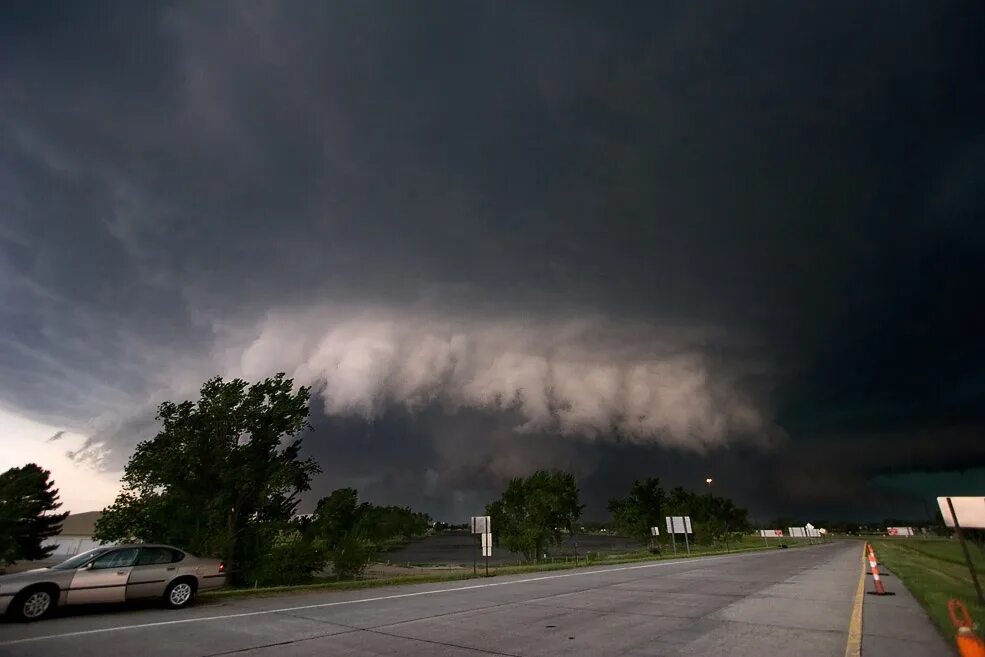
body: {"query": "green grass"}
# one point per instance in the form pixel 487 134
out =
pixel 934 571
pixel 749 544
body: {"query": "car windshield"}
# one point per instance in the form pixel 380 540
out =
pixel 80 559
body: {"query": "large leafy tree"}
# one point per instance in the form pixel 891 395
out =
pixel 28 498
pixel 223 475
pixel 535 512
pixel 635 514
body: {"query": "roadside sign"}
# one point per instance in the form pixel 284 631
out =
pixel 481 525
pixel 487 545
pixel 771 533
pixel 899 531
pixel 654 531
pixel 679 525
pixel 970 511
pixel 971 514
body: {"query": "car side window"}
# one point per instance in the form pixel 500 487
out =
pixel 116 559
pixel 150 556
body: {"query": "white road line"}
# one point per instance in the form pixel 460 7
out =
pixel 339 603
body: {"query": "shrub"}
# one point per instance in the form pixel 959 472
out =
pixel 293 559
pixel 351 556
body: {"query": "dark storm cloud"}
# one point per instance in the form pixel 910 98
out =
pixel 498 237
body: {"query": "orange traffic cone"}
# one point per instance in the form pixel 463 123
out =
pixel 969 644
pixel 876 581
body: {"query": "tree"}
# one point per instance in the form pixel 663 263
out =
pixel 223 475
pixel 335 516
pixel 642 509
pixel 352 532
pixel 27 498
pixel 535 512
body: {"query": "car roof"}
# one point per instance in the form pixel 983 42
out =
pixel 144 545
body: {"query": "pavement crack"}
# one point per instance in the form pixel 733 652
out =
pixel 282 643
pixel 443 643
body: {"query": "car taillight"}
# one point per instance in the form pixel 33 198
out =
pixel 222 568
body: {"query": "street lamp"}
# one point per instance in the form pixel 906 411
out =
pixel 709 480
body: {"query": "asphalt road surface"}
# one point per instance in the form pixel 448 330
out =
pixel 782 602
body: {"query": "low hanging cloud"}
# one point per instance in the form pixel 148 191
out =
pixel 588 378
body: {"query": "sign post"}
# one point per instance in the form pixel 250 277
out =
pixel 487 549
pixel 679 525
pixel 482 525
pixel 766 533
pixel 976 518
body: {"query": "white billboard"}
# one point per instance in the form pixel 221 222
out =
pixel 970 511
pixel 903 531
pixel 679 525
pixel 797 532
pixel 771 533
pixel 481 525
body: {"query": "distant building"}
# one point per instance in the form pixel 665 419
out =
pixel 76 535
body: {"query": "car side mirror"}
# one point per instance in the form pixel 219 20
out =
pixel 88 566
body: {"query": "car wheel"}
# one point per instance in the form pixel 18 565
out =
pixel 33 605
pixel 179 594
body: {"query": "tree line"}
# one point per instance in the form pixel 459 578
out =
pixel 224 476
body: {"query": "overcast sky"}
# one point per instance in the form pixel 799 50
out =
pixel 705 239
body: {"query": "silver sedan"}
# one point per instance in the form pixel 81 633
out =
pixel 110 574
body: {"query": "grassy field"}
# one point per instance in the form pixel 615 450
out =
pixel 934 571
pixel 747 544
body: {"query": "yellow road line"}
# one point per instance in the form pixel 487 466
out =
pixel 854 646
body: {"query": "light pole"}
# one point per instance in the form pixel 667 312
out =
pixel 709 481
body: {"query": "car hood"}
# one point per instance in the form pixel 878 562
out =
pixel 25 576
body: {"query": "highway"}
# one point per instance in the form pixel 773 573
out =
pixel 796 602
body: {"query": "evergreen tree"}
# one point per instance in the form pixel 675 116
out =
pixel 27 499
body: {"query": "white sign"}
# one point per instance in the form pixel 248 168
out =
pixel 771 533
pixel 812 531
pixel 654 531
pixel 797 532
pixel 679 525
pixel 481 525
pixel 970 511
pixel 487 545
pixel 902 531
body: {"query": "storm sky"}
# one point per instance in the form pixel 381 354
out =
pixel 740 240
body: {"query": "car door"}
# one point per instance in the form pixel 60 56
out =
pixel 104 579
pixel 154 568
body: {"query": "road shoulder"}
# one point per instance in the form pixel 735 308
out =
pixel 896 625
